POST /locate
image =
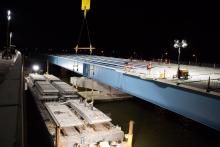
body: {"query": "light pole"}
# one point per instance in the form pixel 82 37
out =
pixel 10 39
pixel 166 57
pixel 195 57
pixel 179 45
pixel 165 53
pixel 8 28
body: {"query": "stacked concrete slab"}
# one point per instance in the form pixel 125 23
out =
pixel 65 89
pixel 46 90
pixel 80 124
pixel 36 77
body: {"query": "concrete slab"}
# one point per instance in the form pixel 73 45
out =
pixel 62 115
pixel 63 87
pixel 91 116
pixel 51 78
pixel 99 96
pixel 45 87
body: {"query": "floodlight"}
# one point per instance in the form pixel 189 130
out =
pixel 184 44
pixel 176 44
pixel 9 17
pixel 9 12
pixel 35 68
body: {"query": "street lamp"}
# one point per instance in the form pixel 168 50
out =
pixel 195 57
pixel 165 53
pixel 9 15
pixel 179 44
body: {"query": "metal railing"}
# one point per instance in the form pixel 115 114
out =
pixel 192 63
pixel 208 85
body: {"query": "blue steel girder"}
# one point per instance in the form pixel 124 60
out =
pixel 198 106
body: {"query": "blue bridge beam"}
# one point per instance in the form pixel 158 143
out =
pixel 198 106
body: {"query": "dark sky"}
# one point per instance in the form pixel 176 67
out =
pixel 125 26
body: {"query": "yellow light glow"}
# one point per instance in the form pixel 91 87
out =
pixel 85 5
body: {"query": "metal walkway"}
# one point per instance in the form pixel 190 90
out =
pixel 11 101
pixel 156 85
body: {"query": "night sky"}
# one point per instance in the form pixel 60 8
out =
pixel 118 27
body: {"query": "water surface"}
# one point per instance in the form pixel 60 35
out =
pixel 157 127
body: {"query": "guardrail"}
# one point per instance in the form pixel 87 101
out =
pixel 211 65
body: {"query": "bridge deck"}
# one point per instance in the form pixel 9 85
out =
pixel 198 76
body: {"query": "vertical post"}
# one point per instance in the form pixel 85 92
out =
pixel 131 127
pixel 90 49
pixel 208 86
pixel 57 136
pixel 164 74
pixel 10 36
pixel 76 48
pixel 178 70
pixel 47 67
pixel 130 133
pixel 178 58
